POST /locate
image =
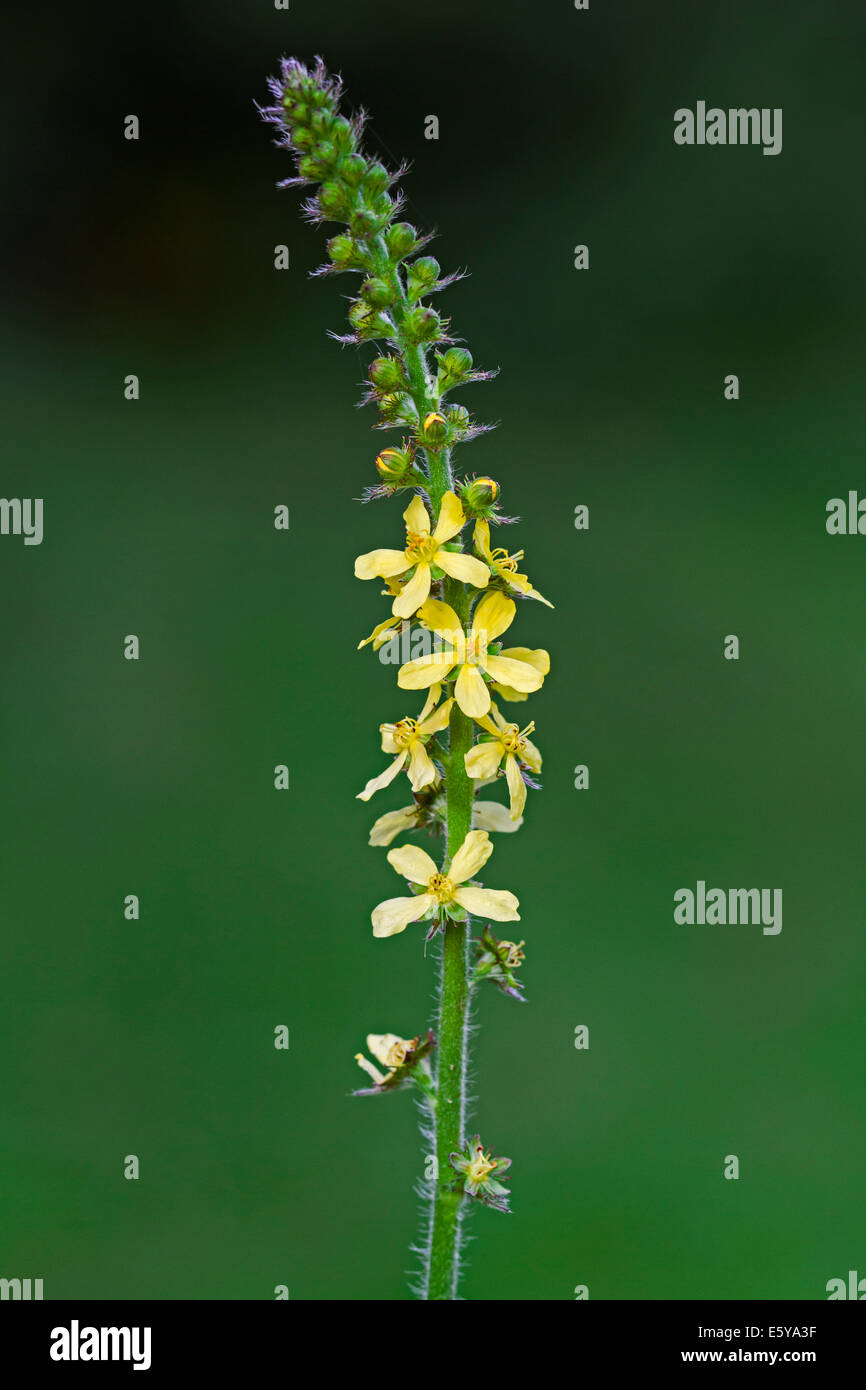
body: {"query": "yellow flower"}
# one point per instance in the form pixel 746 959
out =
pixel 508 742
pixel 389 1050
pixel 503 565
pixel 407 739
pixel 424 550
pixel 494 614
pixel 443 889
pixel 537 658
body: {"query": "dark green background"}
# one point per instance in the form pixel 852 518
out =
pixel 707 518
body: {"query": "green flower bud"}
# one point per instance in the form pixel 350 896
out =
pixel 352 169
pixel 365 224
pixel 479 495
pixel 342 135
pixel 422 325
pixel 376 180
pixel 333 201
pixel 300 113
pixel 421 277
pixel 302 138
pixel 386 373
pixel 458 418
pixel 392 465
pixel 369 323
pixel 434 431
pixel 321 122
pixel 401 240
pixel 378 292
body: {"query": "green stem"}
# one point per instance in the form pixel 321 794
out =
pixel 449 1114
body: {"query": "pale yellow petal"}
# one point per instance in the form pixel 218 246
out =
pixel 413 594
pixel 379 631
pixel 422 769
pixel 381 564
pixel 432 696
pixel 424 671
pixel 483 760
pixel 536 657
pixel 376 783
pixel 395 914
pixel 383 1045
pixel 481 537
pixel 494 614
pixel 472 855
pixel 366 1065
pixel 437 721
pixel 496 903
pixel 392 824
pixel 413 863
pixel 440 617
pixel 516 786
pixel 518 674
pixel 451 518
pixel 471 693
pixel 533 593
pixel 493 816
pixel 417 518
pixel 463 567
pixel 531 755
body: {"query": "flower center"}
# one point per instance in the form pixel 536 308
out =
pixel 397 1055
pixel 441 887
pixel 420 547
pixel 481 1165
pixel 405 731
pixel 514 956
pixel 476 648
pixel 514 739
pixel 503 561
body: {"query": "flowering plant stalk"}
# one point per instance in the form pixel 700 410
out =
pixel 454 601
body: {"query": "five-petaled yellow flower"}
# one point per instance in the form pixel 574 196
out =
pixel 406 739
pixel 503 565
pixel 494 614
pixel 511 743
pixel 424 550
pixel 443 889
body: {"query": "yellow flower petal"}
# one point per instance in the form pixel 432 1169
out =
pixel 417 518
pixel 471 693
pixel 451 518
pixel 483 760
pixel 380 564
pixel 413 863
pixel 424 671
pixel 366 1065
pixel 395 914
pixel 422 769
pixel 494 614
pixel 463 567
pixel 516 786
pixel 437 721
pixel 531 755
pixel 414 593
pixel 376 783
pixel 492 816
pixel 441 618
pixel 518 674
pixel 472 855
pixel 394 823
pixel 481 538
pixel 387 1048
pixel 489 902
pixel 537 657
pixel 533 593
pixel 378 635
pixel 432 696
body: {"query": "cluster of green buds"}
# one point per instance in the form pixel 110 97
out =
pixel 480 1172
pixel 497 961
pixel 390 306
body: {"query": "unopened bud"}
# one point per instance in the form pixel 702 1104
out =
pixel 422 325
pixel 392 465
pixel 386 373
pixel 435 429
pixel 479 495
pixel 378 292
pixel 401 240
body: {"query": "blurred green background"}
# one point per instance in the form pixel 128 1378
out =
pixel 156 778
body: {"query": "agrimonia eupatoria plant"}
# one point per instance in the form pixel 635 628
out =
pixel 458 600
